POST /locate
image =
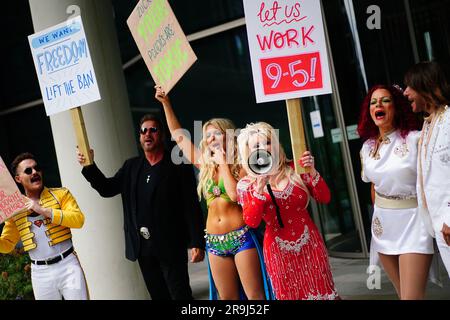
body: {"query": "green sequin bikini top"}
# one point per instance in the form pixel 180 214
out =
pixel 216 190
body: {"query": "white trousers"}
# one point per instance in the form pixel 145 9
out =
pixel 62 279
pixel 444 250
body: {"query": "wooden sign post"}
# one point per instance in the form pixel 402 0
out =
pixel 298 141
pixel 81 135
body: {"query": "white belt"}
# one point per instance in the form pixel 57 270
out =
pixel 394 203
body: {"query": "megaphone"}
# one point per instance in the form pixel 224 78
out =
pixel 260 161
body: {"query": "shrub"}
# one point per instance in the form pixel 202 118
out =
pixel 15 280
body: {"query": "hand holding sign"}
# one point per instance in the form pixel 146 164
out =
pixel 161 95
pixel 34 206
pixel 82 159
pixel 307 161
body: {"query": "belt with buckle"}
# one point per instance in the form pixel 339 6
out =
pixel 53 260
pixel 144 233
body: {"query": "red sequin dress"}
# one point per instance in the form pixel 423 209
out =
pixel 295 256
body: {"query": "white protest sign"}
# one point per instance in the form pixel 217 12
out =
pixel 11 200
pixel 64 67
pixel 287 48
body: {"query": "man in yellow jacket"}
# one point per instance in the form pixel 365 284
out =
pixel 44 230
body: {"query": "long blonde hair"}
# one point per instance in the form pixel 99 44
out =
pixel 207 166
pixel 280 168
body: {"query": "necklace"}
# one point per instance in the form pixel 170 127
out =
pixel 382 139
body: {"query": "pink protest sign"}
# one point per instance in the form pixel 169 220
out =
pixel 11 200
pixel 287 48
pixel 161 42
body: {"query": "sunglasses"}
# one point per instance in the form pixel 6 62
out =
pixel 145 130
pixel 29 170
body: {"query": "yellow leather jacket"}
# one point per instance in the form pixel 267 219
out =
pixel 66 215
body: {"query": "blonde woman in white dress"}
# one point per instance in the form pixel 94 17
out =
pixel 389 161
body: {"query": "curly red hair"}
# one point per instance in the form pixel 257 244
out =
pixel 404 119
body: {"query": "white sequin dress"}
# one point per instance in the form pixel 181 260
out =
pixel 393 171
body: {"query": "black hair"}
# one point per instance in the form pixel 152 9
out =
pixel 430 81
pixel 19 159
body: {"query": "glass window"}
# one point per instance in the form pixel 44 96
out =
pixel 432 28
pixel 202 14
pixel 336 218
pixel 30 131
pixel 18 76
pixel 351 91
pixel 193 16
pixel 387 52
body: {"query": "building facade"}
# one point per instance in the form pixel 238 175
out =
pixel 369 41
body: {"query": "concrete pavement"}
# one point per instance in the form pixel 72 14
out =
pixel 350 277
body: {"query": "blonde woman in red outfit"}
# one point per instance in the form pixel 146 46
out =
pixel 295 255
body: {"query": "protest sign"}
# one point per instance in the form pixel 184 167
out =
pixel 64 67
pixel 287 49
pixel 66 74
pixel 11 200
pixel 289 57
pixel 161 42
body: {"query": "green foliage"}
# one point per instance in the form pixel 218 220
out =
pixel 15 279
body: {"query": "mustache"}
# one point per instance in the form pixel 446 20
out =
pixel 35 178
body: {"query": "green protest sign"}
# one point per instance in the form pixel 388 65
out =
pixel 161 42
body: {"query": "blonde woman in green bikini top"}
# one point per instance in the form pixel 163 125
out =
pixel 232 254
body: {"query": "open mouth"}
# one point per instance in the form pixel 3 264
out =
pixel 380 114
pixel 215 146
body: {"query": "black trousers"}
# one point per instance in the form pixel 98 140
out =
pixel 166 280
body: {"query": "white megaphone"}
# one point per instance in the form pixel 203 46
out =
pixel 260 161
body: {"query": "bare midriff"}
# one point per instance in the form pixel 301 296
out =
pixel 224 216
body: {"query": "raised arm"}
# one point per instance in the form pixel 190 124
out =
pixel 178 134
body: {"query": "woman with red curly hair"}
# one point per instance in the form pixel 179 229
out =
pixel 400 241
